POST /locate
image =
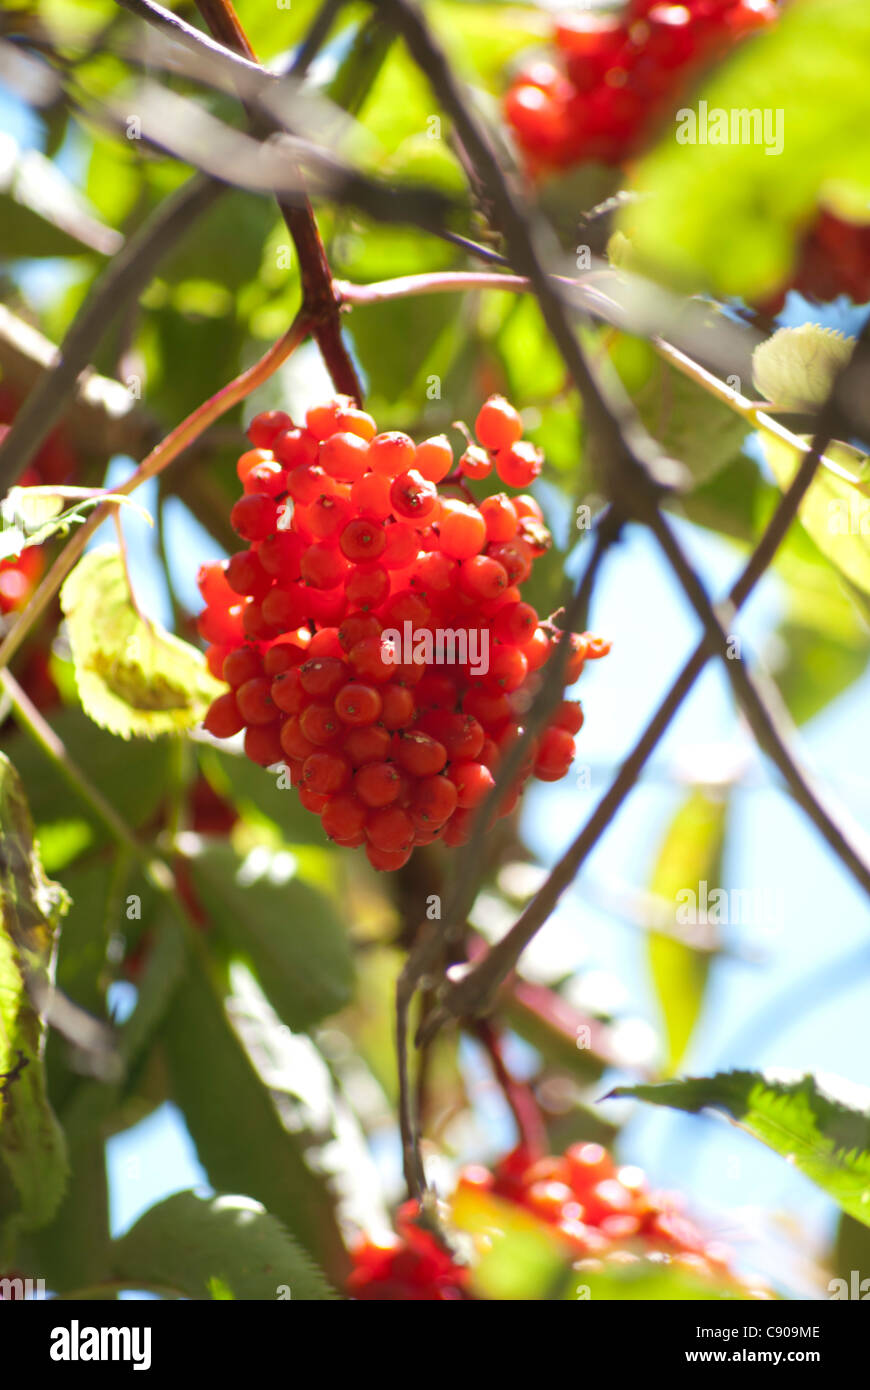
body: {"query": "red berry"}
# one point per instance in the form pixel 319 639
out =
pixel 356 703
pixel 519 465
pixel 295 448
pixel 242 664
pixel 434 458
pixel 263 744
pixel 367 587
pixel 462 530
pixel 498 424
pixel 269 478
pixel 412 496
pixel 212 583
pixel 386 859
pixel 254 700
pixel 482 577
pixel 323 676
pixel 254 516
pixel 287 693
pixel 391 453
pixel 323 566
pixel 472 780
pixel 500 515
pixel 265 428
pixel 279 556
pixel 223 718
pixel 475 462
pixel 246 576
pixel 397 706
pixel 368 743
pixel 319 723
pixel 250 460
pixel 419 753
pixel 345 456
pixel 370 496
pixel 362 540
pixel 433 801
pixel 390 828
pixel 326 773
pixel 377 784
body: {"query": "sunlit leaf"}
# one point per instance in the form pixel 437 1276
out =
pixel 133 677
pixel 819 1123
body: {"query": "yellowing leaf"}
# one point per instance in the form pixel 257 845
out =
pixel 835 512
pixel 133 677
pixel 690 855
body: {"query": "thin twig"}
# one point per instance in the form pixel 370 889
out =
pixel 593 303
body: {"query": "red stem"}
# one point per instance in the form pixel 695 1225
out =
pixel 519 1096
pixel 320 299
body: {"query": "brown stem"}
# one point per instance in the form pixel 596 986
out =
pixel 320 299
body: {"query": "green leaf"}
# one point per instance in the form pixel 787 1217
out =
pixel 796 368
pixel 288 930
pixel 42 213
pixel 133 677
pixel 820 1124
pixel 687 421
pixel 241 1140
pixel 135 784
pixel 32 1144
pixel 217 1247
pixel 835 511
pixel 690 853
pixel 729 216
pixel 255 792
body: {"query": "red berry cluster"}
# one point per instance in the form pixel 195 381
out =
pixel 412 1269
pixel 349 539
pixel 619 75
pixel 598 1206
pixel 834 259
pixel 603 1212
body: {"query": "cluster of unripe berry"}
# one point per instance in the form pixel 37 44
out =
pixel 619 75
pixel 603 1213
pixel 349 541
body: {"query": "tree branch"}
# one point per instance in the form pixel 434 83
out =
pixel 319 298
